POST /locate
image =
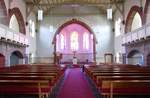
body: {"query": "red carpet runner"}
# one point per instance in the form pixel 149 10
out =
pixel 75 86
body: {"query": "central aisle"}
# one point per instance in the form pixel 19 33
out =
pixel 75 86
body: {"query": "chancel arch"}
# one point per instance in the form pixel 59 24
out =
pixel 75 39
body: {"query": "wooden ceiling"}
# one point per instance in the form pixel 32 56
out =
pixel 48 5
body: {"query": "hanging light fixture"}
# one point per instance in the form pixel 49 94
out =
pixel 40 14
pixel 109 10
pixel 109 13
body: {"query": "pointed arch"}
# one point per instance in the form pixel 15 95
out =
pixel 16 58
pixel 13 23
pixel 135 9
pixel 135 57
pixel 71 22
pixel 82 24
pixel 16 11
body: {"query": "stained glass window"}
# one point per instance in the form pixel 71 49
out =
pixel 74 41
pixel 57 42
pixel 86 40
pixel 62 41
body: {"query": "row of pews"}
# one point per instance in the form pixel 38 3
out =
pixel 37 80
pixel 118 79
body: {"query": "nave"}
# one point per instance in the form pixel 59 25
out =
pixel 90 81
pixel 75 85
pixel 46 44
pixel 21 81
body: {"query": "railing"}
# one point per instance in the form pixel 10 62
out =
pixel 11 35
pixel 81 57
pixel 137 35
pixel 41 60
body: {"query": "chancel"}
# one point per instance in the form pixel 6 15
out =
pixel 74 48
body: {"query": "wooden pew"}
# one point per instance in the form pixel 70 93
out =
pixel 129 87
pixel 39 87
pixel 41 79
pixel 109 85
pixel 109 77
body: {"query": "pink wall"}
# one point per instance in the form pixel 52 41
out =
pixel 82 54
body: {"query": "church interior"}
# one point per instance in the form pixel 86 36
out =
pixel 74 48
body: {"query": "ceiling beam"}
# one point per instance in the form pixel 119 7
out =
pixel 117 6
pixel 73 14
pixel 37 3
pixel 29 9
pixel 74 3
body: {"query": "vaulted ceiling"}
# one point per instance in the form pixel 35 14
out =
pixel 48 5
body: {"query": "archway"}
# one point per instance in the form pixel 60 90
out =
pixel 135 10
pixel 13 24
pixel 148 59
pixel 2 60
pixel 135 57
pixel 15 11
pixel 75 39
pixel 136 22
pixel 16 58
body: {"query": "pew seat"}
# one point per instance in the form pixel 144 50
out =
pixel 25 79
pixel 39 87
pixel 125 87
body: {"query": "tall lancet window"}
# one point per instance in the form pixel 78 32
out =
pixel 62 41
pixel 57 42
pixel 86 40
pixel 74 41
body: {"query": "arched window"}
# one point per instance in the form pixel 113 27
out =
pixel 57 42
pixel 13 24
pixel 62 41
pixel 86 41
pixel 137 22
pixel 74 41
pixel 31 28
pixel 117 27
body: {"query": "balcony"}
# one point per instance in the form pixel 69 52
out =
pixel 8 35
pixel 136 36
